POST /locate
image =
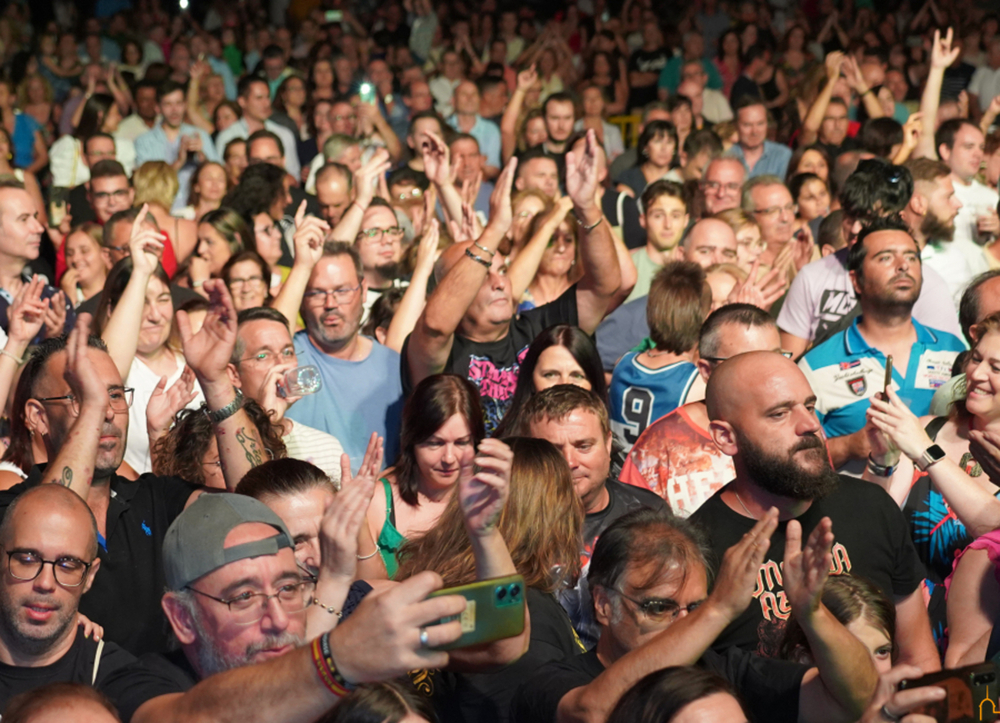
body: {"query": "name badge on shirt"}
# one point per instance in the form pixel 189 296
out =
pixel 934 369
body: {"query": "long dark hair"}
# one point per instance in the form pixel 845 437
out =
pixel 652 131
pixel 434 401
pixel 660 696
pixel 114 287
pixel 95 110
pixel 579 344
pixel 386 702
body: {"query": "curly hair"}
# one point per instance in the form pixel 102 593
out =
pixel 180 452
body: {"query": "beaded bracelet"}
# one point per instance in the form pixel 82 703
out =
pixel 329 608
pixel 328 660
pixel 478 259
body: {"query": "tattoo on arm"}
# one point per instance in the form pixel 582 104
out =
pixel 67 477
pixel 250 448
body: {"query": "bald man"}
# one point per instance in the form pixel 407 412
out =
pixel 769 428
pixel 466 119
pixel 333 191
pixel 710 242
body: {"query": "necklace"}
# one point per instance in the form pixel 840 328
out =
pixel 743 505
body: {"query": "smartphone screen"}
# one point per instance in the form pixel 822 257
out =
pixel 334 16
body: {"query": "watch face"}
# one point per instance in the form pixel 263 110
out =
pixel 934 452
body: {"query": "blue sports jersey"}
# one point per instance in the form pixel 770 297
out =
pixel 640 395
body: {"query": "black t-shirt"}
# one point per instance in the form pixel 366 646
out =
pixel 486 697
pixel 633 234
pixel 871 541
pixel 79 205
pixel 743 87
pixel 956 79
pixel 622 499
pixel 645 61
pixel 125 596
pixel 769 688
pixel 149 677
pixel 849 144
pixel 493 366
pixel 76 666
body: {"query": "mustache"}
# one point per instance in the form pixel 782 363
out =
pixel 273 641
pixel 900 277
pixel 810 442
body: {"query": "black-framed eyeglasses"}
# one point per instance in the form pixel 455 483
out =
pixel 249 607
pixel 659 608
pixel 391 234
pixel 119 398
pixel 720 359
pixel 26 565
pixel 119 195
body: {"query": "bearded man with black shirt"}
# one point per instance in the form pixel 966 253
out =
pixel 771 431
pixel 575 420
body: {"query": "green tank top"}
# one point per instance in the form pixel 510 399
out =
pixel 389 540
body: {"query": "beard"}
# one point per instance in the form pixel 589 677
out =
pixel 211 660
pixel 783 476
pixel 33 640
pixel 936 229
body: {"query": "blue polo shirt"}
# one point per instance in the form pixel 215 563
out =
pixel 774 161
pixel 845 371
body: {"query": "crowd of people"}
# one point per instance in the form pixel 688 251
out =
pixel 688 316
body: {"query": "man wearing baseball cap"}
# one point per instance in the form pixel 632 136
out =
pixel 237 605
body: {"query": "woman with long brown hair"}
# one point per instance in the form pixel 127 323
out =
pixel 542 523
pixel 442 426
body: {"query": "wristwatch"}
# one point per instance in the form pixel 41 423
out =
pixel 220 415
pixel 932 455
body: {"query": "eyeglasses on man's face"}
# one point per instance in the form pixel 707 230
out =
pixel 119 399
pixel 105 196
pixel 374 235
pixel 343 295
pixel 720 359
pixel 659 609
pixel 248 608
pixel 26 565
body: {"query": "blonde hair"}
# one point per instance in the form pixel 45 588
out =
pixel 155 182
pixel 736 218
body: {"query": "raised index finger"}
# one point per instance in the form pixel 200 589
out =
pixel 300 214
pixel 137 224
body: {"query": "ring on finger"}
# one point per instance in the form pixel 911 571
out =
pixel 425 642
pixel 889 715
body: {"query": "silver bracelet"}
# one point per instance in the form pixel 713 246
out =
pixel 483 248
pixel 368 557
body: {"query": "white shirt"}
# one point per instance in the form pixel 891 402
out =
pixel 316 447
pixel 144 381
pixel 976 199
pixel 985 84
pixel 68 167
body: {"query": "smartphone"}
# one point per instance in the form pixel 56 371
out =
pixel 494 609
pixel 334 16
pixel 972 694
pixel 888 377
pixel 58 198
pixel 367 93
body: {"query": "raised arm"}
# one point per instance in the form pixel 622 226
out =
pixel 942 55
pixel 685 640
pixel 866 94
pixel 844 678
pixel 208 353
pixel 308 240
pixel 432 337
pixel 975 507
pixel 25 318
pixel 364 180
pixel 526 79
pixel 602 275
pixel 814 118
pixel 525 265
pixel 415 298
pixel 121 333
pixel 195 117
pixel 371 113
pixel 440 170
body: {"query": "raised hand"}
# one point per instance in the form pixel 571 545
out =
pixel 833 63
pixel 483 494
pixel 85 383
pixel 527 79
pixel 310 232
pixel 898 703
pixel 365 177
pixel 805 569
pixel 55 315
pixel 501 214
pixel 942 54
pixel 145 244
pixel 271 399
pixel 344 519
pixel 27 314
pixel 761 292
pixel 581 174
pixel 852 73
pixel 737 576
pixel 428 246
pixel 912 129
pixel 208 352
pixel 899 424
pixel 466 230
pixel 164 403
pixel 437 160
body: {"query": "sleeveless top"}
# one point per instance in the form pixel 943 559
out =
pixel 389 539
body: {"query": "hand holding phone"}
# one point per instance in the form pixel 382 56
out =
pixel 494 609
pixel 888 378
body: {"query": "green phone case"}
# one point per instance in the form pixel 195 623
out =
pixel 494 610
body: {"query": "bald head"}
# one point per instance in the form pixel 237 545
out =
pixel 50 504
pixel 710 242
pixel 728 392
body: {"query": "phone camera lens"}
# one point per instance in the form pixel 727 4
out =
pixel 501 593
pixel 515 590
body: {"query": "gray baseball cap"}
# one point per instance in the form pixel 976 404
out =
pixel 194 542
